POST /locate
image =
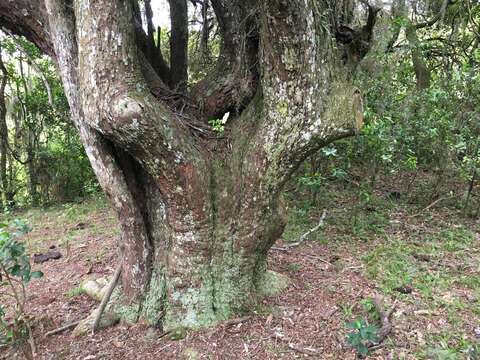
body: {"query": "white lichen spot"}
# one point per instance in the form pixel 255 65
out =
pixel 306 136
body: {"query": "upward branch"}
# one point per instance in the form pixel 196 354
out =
pixel 126 112
pixel 179 44
pixel 234 81
pixel 308 100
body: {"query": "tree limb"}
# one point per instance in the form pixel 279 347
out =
pixel 111 177
pixel 438 17
pixel 153 52
pixel 233 82
pixel 178 45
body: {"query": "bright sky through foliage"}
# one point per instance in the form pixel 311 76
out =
pixel 161 13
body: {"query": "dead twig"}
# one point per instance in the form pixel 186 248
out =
pixel 62 328
pixel 236 321
pixel 319 259
pixel 31 340
pixel 302 238
pixel 375 347
pixel 330 313
pixel 106 298
pixel 292 346
pixel 385 316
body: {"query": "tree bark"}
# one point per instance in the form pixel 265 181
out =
pixel 199 214
pixel 3 133
pixel 422 72
pixel 179 44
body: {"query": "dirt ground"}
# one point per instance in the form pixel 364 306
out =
pixel 331 284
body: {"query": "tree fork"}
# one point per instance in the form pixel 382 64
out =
pixel 198 216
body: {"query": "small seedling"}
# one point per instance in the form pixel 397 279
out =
pixel 362 335
pixel 74 292
pixel 15 274
pixel 218 125
pixel 294 267
pixel 346 309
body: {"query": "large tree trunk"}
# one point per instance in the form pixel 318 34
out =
pixel 199 212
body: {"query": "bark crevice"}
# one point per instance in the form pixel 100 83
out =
pixel 198 214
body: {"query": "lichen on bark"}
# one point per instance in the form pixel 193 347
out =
pixel 198 212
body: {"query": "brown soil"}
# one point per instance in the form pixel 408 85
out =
pixel 305 321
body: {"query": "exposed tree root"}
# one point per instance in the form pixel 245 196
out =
pixel 385 317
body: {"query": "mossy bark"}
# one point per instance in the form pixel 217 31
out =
pixel 198 212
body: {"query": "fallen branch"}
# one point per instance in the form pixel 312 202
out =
pixel 302 238
pixel 106 298
pixel 385 316
pixel 101 308
pixel 428 207
pixel 236 321
pixel 62 328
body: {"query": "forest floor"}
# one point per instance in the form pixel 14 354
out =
pixel 425 260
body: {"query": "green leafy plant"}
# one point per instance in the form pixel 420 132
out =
pixel 74 292
pixel 294 267
pixel 15 274
pixel 361 336
pixel 218 125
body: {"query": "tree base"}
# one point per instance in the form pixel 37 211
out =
pixel 195 316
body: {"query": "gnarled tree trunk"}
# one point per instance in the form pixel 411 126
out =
pixel 198 212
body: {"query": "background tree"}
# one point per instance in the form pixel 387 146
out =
pixel 42 160
pixel 421 138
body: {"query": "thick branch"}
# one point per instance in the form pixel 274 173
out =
pixel 134 235
pixel 234 81
pixel 371 21
pixel 119 104
pixel 357 42
pixel 300 113
pixel 205 29
pixel 422 72
pixel 27 18
pixel 398 10
pixel 438 17
pixel 179 44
